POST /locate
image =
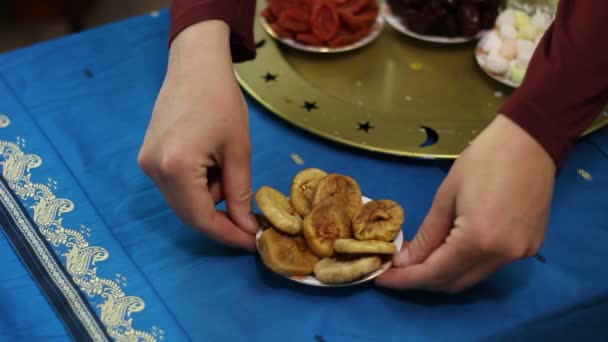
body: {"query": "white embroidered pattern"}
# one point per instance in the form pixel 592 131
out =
pixel 80 257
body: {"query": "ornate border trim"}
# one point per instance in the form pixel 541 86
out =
pixel 47 270
pixel 81 258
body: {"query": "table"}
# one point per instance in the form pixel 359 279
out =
pixel 33 11
pixel 90 248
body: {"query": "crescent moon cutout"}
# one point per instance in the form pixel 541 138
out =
pixel 431 137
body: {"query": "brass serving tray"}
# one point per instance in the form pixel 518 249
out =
pixel 397 95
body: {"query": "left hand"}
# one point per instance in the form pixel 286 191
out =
pixel 491 209
pixel 197 148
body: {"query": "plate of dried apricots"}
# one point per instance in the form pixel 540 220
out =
pixel 326 233
pixel 323 25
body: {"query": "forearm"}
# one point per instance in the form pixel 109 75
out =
pixel 189 51
pixel 566 85
pixel 237 14
pixel 201 66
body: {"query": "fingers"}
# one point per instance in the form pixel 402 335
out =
pixel 473 276
pixel 186 191
pixel 456 265
pixel 434 229
pixel 407 279
pixel 222 229
pixel 449 262
pixel 236 176
pixel 216 192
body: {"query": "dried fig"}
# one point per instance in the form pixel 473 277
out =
pixel 303 189
pixel 278 210
pixel 343 188
pixel 351 246
pixel 326 223
pixel 332 271
pixel 286 254
pixel 378 220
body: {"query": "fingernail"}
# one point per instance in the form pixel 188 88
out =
pixel 402 258
pixel 253 225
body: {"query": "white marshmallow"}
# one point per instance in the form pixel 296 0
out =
pixel 496 64
pixel 507 31
pixel 507 17
pixel 525 45
pixel 491 42
pixel 523 59
pixel 541 21
pixel 509 49
pixel 525 49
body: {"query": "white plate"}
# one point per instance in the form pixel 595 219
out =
pixel 313 281
pixel 480 58
pixel 371 36
pixel 395 21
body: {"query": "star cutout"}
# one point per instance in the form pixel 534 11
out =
pixel 364 126
pixel 270 77
pixel 309 106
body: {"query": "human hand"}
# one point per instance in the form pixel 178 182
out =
pixel 491 209
pixel 197 148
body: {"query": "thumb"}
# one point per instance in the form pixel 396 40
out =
pixel 236 176
pixel 434 229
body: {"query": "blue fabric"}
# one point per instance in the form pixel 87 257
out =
pixel 34 135
pixel 22 304
pixel 600 139
pixel 82 103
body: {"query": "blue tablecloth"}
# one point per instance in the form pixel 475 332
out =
pixel 77 211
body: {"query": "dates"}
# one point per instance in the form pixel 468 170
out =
pixel 448 18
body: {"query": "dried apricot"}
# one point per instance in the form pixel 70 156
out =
pixel 324 20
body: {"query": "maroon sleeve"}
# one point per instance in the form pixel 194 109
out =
pixel 566 85
pixel 238 14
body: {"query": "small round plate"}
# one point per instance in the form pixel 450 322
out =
pixel 373 34
pixel 313 281
pixel 480 58
pixel 395 21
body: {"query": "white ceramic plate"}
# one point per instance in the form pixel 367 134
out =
pixel 313 281
pixel 395 21
pixel 371 36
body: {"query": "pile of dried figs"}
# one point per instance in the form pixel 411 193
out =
pixel 325 229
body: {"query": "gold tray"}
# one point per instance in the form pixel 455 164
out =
pixel 398 95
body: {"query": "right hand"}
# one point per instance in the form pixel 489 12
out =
pixel 197 148
pixel 491 210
